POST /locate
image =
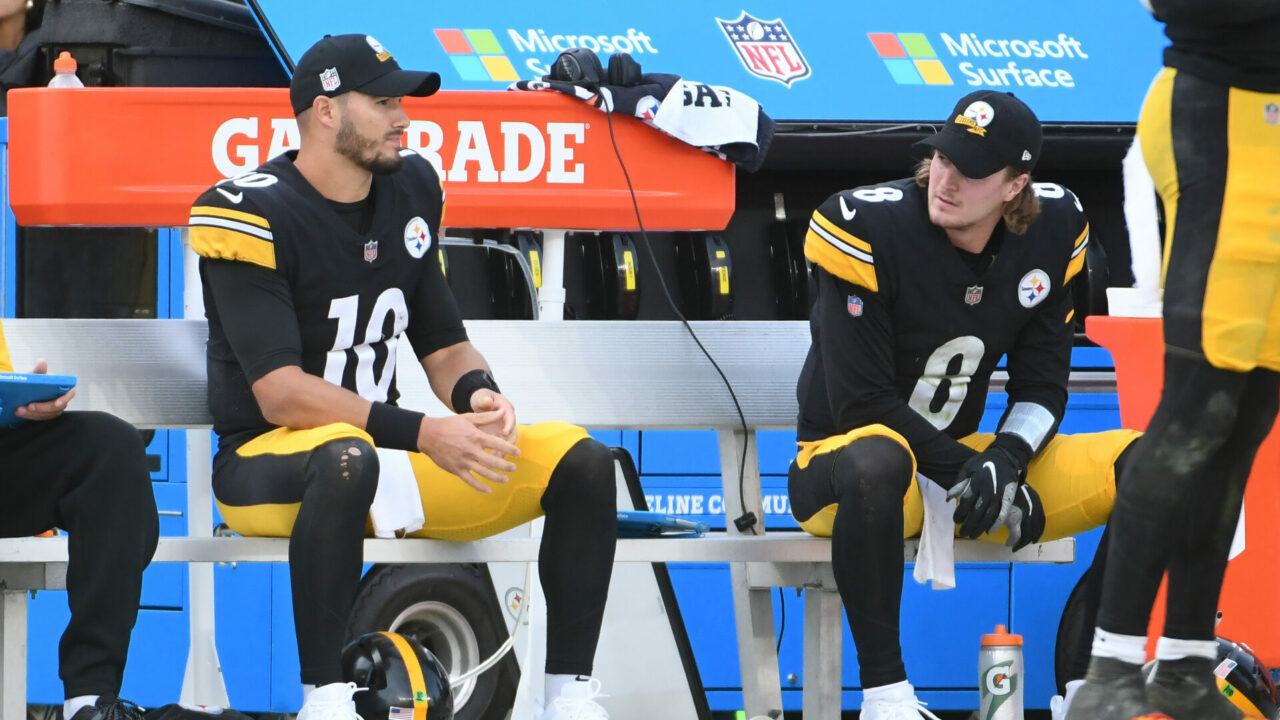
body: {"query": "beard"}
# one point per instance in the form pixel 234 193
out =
pixel 363 151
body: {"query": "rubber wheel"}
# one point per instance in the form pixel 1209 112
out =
pixel 453 611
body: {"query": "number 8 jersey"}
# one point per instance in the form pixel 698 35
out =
pixel 907 330
pixel 288 281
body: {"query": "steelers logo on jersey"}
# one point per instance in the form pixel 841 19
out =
pixel 1033 288
pixel 417 237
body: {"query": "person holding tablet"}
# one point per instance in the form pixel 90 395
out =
pixel 84 472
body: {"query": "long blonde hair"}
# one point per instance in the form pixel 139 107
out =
pixel 1018 213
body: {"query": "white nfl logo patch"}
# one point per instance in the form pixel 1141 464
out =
pixel 329 79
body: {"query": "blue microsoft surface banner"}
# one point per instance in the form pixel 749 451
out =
pixel 1079 61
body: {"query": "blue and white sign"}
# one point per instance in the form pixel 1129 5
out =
pixel 1084 61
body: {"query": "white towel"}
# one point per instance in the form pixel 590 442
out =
pixel 936 560
pixel 397 504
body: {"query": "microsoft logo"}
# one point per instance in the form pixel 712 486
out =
pixel 476 55
pixel 910 58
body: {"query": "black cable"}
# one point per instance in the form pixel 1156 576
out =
pixel 782 626
pixel 747 520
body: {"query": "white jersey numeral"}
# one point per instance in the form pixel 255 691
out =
pixel 880 193
pixel 941 390
pixel 346 311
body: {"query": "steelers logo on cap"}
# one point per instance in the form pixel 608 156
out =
pixel 383 55
pixel 980 112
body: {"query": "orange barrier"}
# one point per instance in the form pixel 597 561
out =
pixel 140 156
pixel 1250 591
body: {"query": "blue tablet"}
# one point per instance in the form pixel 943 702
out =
pixel 18 389
pixel 643 523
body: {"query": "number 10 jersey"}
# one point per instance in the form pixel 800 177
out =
pixel 288 282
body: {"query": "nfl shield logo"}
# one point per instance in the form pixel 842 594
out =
pixel 854 306
pixel 973 295
pixel 1271 113
pixel 766 48
pixel 329 79
pixel 371 251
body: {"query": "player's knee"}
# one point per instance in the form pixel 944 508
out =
pixel 116 444
pixel 586 475
pixel 348 467
pixel 872 473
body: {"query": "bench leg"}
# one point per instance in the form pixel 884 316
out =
pixel 757 646
pixel 752 608
pixel 202 684
pixel 13 656
pixel 823 637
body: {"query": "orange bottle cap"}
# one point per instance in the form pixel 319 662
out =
pixel 64 62
pixel 1001 637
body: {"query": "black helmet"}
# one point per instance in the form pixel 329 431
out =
pixel 399 674
pixel 1247 682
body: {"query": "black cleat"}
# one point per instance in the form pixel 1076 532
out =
pixel 110 709
pixel 1112 690
pixel 1185 690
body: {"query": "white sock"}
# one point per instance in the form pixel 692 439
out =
pixel 1125 648
pixel 75 704
pixel 307 689
pixel 883 691
pixel 1175 649
pixel 555 682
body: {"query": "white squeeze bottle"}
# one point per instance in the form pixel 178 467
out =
pixel 64 72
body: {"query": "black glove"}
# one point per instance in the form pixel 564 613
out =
pixel 1026 518
pixel 987 483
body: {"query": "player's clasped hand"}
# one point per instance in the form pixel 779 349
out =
pixel 1026 518
pixel 986 486
pixel 461 445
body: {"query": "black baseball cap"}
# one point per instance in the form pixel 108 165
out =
pixel 340 63
pixel 987 132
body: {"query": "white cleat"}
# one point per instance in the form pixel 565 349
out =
pixel 577 701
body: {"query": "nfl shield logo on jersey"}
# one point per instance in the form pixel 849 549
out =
pixel 766 48
pixel 854 306
pixel 371 251
pixel 973 295
pixel 1271 113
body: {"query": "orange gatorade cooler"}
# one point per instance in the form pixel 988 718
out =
pixel 1248 606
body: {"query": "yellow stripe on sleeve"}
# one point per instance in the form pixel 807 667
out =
pixel 842 234
pixel 1074 267
pixel 223 244
pixel 212 211
pixel 843 266
pixel 1084 235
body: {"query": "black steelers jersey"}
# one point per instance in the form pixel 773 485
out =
pixel 1230 42
pixel 906 333
pixel 340 300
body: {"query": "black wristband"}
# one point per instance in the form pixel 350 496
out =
pixel 1016 449
pixel 393 427
pixel 468 384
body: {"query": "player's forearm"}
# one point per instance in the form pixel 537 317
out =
pixel 445 366
pixel 291 398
